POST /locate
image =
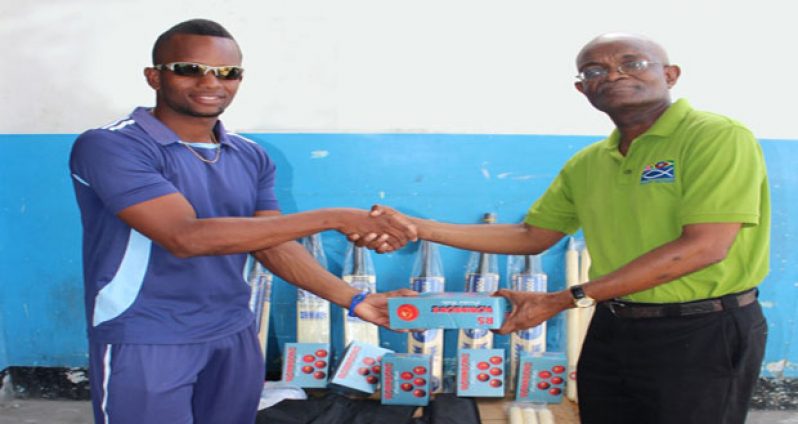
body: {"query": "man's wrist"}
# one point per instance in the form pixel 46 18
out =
pixel 422 230
pixel 356 300
pixel 564 300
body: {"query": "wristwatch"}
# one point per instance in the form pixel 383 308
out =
pixel 581 300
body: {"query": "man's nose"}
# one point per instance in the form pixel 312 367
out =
pixel 209 79
pixel 614 73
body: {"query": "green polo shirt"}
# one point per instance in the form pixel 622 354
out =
pixel 690 167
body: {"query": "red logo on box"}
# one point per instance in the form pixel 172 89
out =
pixel 407 312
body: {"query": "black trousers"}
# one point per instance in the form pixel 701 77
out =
pixel 698 369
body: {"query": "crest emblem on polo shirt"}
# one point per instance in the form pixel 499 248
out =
pixel 658 172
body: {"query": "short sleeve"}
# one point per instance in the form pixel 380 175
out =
pixel 555 210
pixel 722 178
pixel 122 171
pixel 267 199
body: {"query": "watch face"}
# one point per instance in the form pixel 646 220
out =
pixel 584 302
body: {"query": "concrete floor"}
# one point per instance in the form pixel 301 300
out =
pixel 16 411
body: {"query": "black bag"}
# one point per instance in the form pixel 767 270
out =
pixel 447 408
pixel 334 409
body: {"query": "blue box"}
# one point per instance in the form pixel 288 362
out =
pixel 447 310
pixel 306 364
pixel 406 379
pixel 360 368
pixel 480 372
pixel 541 377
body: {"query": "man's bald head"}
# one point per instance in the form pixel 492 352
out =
pixel 621 72
pixel 641 43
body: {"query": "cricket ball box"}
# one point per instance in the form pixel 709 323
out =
pixel 541 377
pixel 360 368
pixel 447 310
pixel 306 364
pixel 480 372
pixel 406 379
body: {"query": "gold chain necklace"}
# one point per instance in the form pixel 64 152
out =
pixel 202 158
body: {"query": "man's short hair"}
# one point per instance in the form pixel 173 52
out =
pixel 190 27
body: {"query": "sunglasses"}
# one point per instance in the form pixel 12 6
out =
pixel 188 69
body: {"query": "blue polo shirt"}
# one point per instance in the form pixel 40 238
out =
pixel 135 290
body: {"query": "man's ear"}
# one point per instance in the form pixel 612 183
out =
pixel 153 77
pixel 672 73
pixel 579 87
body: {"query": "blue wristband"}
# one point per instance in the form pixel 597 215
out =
pixel 356 299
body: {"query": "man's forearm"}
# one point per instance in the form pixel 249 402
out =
pixel 291 262
pixel 700 246
pixel 511 239
pixel 218 236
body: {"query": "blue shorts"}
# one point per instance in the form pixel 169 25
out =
pixel 218 381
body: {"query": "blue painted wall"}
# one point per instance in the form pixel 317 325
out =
pixel 447 177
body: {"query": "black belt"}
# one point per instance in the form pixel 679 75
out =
pixel 622 309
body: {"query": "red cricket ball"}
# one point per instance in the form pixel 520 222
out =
pixel 369 361
pixel 483 365
pixel 319 375
pixel 375 369
pixel 555 391
pixel 543 385
pixel 419 393
pixel 558 369
pixel 407 375
pixel 321 353
pixel 320 364
pixel 420 370
pixel 406 387
pixel 495 371
pixel 496 360
pixel 308 358
pixel 483 377
pixel 363 371
pixel 495 383
pixel 419 382
pixel 372 379
pixel 544 374
pixel 307 369
pixel 557 380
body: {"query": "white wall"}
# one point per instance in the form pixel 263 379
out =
pixel 382 66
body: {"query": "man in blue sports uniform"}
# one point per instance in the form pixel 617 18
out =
pixel 171 204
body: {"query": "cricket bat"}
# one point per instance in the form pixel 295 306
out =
pixel 573 317
pixel 586 313
pixel 359 273
pixel 483 277
pixel 259 280
pixel 428 277
pixel 312 312
pixel 526 274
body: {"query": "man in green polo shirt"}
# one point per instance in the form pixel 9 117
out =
pixel 674 206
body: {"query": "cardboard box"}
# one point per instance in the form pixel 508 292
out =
pixel 447 310
pixel 360 368
pixel 480 372
pixel 541 377
pixel 306 364
pixel 406 379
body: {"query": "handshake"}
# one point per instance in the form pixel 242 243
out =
pixel 382 229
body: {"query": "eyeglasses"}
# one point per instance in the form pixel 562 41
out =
pixel 596 72
pixel 188 69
